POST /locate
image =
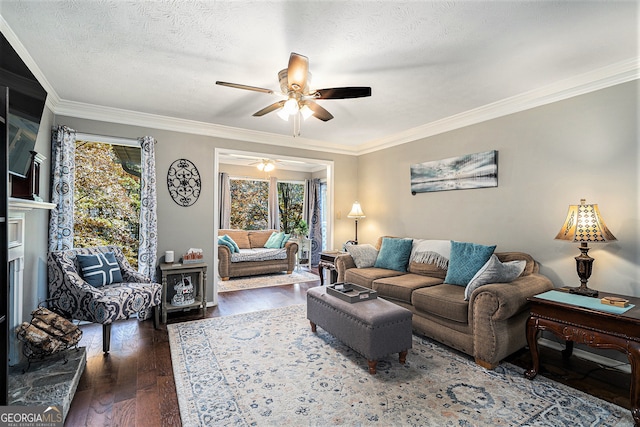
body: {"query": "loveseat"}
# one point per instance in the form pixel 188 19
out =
pixel 489 326
pixel 253 258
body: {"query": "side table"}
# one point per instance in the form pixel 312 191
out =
pixel 592 327
pixel 171 275
pixel 327 260
pixel 304 252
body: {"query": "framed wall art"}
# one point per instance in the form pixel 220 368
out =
pixel 478 170
pixel 183 180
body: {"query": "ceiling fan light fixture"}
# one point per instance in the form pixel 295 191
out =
pixel 291 106
pixel 283 114
pixel 266 165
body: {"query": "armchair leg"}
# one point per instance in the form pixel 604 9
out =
pixel 156 316
pixel 106 338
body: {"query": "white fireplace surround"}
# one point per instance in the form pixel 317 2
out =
pixel 16 254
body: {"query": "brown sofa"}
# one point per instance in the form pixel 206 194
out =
pixel 253 240
pixel 489 326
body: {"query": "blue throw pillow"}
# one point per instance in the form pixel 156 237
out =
pixel 466 259
pixel 223 242
pixel 234 246
pixel 285 239
pixel 275 241
pixel 100 269
pixel 394 254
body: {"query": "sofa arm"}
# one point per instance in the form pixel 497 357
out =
pixel 500 301
pixel 342 263
pixel 224 261
pixel 292 252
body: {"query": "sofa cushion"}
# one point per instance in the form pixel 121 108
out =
pixel 431 270
pixel 363 255
pixel 401 287
pixel 494 271
pixel 446 301
pixel 366 276
pixel 259 254
pixel 258 238
pixel 100 269
pixel 466 260
pixel 394 254
pixel 241 237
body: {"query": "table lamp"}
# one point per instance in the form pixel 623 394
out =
pixel 584 224
pixel 356 213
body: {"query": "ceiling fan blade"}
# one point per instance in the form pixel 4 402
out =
pixel 239 86
pixel 298 71
pixel 319 112
pixel 269 108
pixel 342 92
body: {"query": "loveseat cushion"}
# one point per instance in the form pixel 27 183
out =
pixel 366 276
pixel 446 301
pixel 401 287
pixel 241 237
pixel 258 238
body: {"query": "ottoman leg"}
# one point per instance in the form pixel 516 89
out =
pixel 372 366
pixel 313 326
pixel 403 357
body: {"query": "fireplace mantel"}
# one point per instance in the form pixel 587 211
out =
pixel 16 204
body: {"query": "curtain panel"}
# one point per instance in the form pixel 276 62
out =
pixel 63 165
pixel 274 204
pixel 312 215
pixel 224 188
pixel 148 247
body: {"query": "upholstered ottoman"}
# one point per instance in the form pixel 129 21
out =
pixel 373 328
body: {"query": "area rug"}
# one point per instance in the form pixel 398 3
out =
pixel 265 280
pixel 268 369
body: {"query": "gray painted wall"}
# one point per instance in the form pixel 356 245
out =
pixel 182 228
pixel 549 157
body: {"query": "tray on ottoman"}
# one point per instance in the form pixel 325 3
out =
pixel 350 292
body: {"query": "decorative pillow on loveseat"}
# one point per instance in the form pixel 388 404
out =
pixel 466 259
pixel 363 255
pixel 495 271
pixel 394 254
pixel 100 269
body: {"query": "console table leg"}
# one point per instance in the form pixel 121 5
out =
pixel 532 340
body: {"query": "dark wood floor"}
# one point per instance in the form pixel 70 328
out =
pixel 133 385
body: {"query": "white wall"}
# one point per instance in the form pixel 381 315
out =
pixel 549 157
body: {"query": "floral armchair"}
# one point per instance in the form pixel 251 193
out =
pixel 75 298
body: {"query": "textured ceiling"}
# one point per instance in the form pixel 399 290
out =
pixel 425 61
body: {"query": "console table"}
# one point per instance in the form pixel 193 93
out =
pixel 590 326
pixel 173 273
pixel 327 260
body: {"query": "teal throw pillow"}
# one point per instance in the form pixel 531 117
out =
pixel 100 269
pixel 285 239
pixel 234 246
pixel 466 259
pixel 275 240
pixel 394 254
pixel 223 242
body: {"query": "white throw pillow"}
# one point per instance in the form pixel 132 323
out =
pixel 363 255
pixel 494 271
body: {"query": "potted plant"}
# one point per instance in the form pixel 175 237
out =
pixel 301 228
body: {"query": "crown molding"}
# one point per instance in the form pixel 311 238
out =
pixel 601 78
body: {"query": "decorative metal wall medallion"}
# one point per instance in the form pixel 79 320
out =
pixel 183 180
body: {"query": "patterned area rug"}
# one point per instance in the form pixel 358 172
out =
pixel 265 280
pixel 268 368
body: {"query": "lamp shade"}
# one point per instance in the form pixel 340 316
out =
pixel 584 224
pixel 356 211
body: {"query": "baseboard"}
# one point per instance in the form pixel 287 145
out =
pixel 587 355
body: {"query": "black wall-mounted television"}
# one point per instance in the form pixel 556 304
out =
pixel 26 104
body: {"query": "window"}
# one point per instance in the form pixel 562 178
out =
pixel 107 197
pixel 250 204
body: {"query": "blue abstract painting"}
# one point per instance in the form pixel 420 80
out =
pixel 479 170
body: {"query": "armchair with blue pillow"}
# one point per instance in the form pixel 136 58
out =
pixel 98 285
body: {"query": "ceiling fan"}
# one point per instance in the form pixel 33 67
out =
pixel 299 98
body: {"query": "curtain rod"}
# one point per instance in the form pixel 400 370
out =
pixel 118 140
